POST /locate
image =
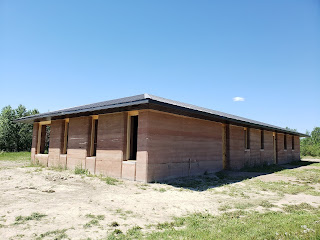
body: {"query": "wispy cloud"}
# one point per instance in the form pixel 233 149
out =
pixel 238 99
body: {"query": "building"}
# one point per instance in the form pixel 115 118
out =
pixel 148 138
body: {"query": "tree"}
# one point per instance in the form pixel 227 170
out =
pixel 291 129
pixel 15 136
pixel 315 135
pixel 8 134
pixel 310 146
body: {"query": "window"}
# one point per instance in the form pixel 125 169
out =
pixel 262 139
pixel 292 142
pixel 43 138
pixel 285 142
pixel 65 139
pixel 247 138
pixel 132 137
pixel 94 133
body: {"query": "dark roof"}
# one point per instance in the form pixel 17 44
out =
pixel 154 102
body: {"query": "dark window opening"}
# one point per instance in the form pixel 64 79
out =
pixel 95 132
pixel 247 138
pixel 262 139
pixel 133 137
pixel 292 142
pixel 285 142
pixel 45 139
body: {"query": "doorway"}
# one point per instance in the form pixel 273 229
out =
pixel 275 160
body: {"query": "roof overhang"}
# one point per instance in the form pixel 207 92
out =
pixel 146 101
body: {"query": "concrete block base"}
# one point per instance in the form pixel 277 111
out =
pixel 129 170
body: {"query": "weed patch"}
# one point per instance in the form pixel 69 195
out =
pixel 56 234
pixel 107 180
pixel 81 171
pixel 114 224
pixel 123 214
pixel 93 222
pixel 97 217
pixel 34 216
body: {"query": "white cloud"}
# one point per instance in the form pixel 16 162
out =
pixel 238 99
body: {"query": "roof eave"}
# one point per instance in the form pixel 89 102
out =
pixel 146 99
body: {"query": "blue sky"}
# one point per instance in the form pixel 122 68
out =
pixel 58 54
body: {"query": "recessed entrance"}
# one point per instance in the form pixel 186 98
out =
pixel 133 138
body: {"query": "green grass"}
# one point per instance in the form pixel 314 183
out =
pixel 299 207
pixel 34 216
pixel 225 207
pixel 266 204
pixel 56 234
pixel 310 157
pixel 109 180
pixel 282 187
pixel 93 222
pixel 132 233
pixel 98 217
pixel 305 175
pixel 242 225
pixel 245 204
pixel 106 179
pixel 15 156
pixel 124 214
pixel 160 189
pixel 81 171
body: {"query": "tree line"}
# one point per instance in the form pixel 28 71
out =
pixel 15 137
pixel 310 146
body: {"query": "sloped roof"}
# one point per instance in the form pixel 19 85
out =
pixel 152 101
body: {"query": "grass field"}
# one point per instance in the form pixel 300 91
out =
pixel 15 156
pixel 297 222
pixel 283 202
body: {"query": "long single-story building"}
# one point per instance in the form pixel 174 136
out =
pixel 148 138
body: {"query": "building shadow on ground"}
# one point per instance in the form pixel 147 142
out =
pixel 209 181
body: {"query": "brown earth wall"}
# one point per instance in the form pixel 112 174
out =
pixel 56 143
pixel 169 146
pixel 78 141
pixel 111 145
pixel 180 146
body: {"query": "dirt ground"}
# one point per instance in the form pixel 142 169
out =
pixel 88 208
